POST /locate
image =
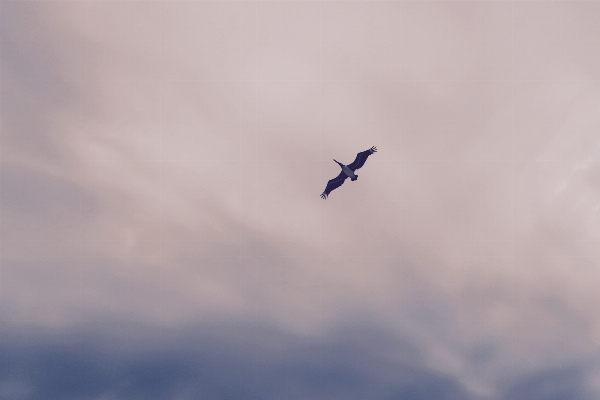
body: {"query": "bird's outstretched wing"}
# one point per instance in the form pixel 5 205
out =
pixel 334 184
pixel 361 157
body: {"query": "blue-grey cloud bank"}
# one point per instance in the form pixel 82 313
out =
pixel 243 361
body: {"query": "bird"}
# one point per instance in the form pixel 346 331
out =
pixel 347 171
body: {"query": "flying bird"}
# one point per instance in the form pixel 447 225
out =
pixel 348 171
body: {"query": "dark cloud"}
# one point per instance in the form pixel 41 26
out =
pixel 220 362
pixel 243 361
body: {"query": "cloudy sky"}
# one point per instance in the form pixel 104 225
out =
pixel 162 234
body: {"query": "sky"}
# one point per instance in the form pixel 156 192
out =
pixel 162 234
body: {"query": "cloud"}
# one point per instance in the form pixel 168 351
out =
pixel 215 362
pixel 244 360
pixel 38 84
pixel 562 383
pixel 165 168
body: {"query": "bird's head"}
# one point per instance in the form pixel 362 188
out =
pixel 355 178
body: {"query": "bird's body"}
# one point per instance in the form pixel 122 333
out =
pixel 347 171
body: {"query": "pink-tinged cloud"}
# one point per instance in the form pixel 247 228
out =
pixel 162 164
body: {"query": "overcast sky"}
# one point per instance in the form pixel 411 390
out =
pixel 162 234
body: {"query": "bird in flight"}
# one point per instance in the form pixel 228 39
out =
pixel 347 171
